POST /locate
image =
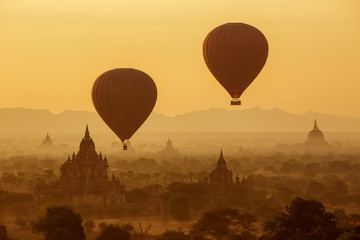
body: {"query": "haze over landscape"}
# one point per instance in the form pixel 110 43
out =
pixel 25 122
pixel 116 123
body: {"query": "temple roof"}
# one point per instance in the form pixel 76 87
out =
pixel 221 162
pixel 47 140
pixel 315 135
pixel 87 134
pixel 87 144
pixel 169 150
pixel 221 174
pixel 169 143
pixel 315 128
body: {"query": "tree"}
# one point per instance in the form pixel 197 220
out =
pixel 245 235
pixel 3 232
pixel 354 218
pixel 141 233
pixel 340 187
pixel 303 219
pixel 21 222
pixel 19 210
pixel 246 221
pixel 315 188
pixel 199 237
pixel 114 232
pixel 352 235
pixel 344 221
pixel 136 195
pixel 102 226
pixel 60 234
pixel 309 172
pixel 60 219
pixel 9 179
pixel 196 192
pixel 89 226
pixel 179 207
pixel 174 235
pixel 223 223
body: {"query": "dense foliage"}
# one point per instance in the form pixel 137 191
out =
pixel 303 219
pixel 60 221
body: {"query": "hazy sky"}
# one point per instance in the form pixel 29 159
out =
pixel 53 50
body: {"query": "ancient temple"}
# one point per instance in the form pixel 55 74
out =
pixel 221 174
pixel 47 142
pixel 86 174
pixel 315 136
pixel 169 151
pixel 315 143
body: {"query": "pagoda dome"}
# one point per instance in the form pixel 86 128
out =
pixel 316 135
pixel 87 144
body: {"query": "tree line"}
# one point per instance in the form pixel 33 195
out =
pixel 301 219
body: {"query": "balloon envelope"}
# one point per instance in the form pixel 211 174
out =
pixel 124 98
pixel 235 53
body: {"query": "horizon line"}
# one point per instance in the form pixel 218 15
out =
pixel 185 113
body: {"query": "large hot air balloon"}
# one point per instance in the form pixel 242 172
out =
pixel 124 98
pixel 235 53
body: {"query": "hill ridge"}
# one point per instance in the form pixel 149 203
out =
pixel 22 121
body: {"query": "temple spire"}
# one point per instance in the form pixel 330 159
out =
pixel 87 134
pixel 237 179
pixel 316 128
pixel 47 141
pixel 169 143
pixel 221 162
pixel 221 174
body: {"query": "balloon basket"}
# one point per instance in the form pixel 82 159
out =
pixel 235 102
pixel 124 146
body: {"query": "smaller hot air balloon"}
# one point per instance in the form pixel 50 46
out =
pixel 235 53
pixel 124 98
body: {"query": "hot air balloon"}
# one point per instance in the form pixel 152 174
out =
pixel 124 98
pixel 235 53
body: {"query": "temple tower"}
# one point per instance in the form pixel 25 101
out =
pixel 315 136
pixel 221 174
pixel 86 169
pixel 47 141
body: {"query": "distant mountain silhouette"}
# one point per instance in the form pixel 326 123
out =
pixel 22 122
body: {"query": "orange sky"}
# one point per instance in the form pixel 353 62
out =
pixel 52 51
